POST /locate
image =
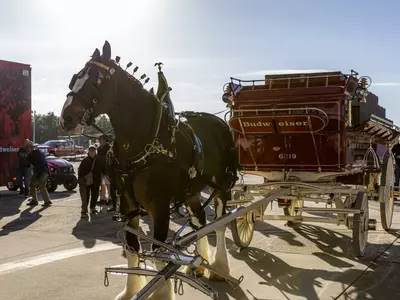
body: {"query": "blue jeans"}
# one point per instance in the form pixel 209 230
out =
pixel 24 176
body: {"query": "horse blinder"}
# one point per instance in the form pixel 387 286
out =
pixel 73 81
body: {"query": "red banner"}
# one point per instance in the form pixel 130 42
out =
pixel 15 115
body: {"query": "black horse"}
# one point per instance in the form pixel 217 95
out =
pixel 157 159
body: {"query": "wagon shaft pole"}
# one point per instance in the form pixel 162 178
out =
pixel 157 282
pixel 175 258
pixel 230 216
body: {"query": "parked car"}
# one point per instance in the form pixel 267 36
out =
pixel 61 148
pixel 61 173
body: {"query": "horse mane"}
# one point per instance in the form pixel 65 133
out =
pixel 131 77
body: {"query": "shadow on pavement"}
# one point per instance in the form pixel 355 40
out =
pixel 268 230
pixel 97 227
pixel 10 205
pixel 377 279
pixel 101 227
pixel 331 243
pixel 26 218
pixel 58 195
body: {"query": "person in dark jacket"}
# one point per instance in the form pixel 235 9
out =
pixel 89 189
pixel 40 174
pixel 107 172
pixel 24 171
pixel 396 153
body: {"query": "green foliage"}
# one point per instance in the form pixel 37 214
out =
pixel 103 122
pixel 47 127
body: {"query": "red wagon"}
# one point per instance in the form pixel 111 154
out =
pixel 325 136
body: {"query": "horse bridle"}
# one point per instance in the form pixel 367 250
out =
pixel 152 148
pixel 87 113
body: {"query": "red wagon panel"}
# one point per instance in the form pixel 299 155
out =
pixel 293 122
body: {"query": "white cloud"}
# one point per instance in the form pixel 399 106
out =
pixel 289 71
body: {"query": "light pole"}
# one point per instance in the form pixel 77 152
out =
pixel 34 126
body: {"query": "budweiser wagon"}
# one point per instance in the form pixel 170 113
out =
pixel 323 136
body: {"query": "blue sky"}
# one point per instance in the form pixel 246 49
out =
pixel 203 43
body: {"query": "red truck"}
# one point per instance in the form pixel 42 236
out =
pixel 15 115
pixel 61 148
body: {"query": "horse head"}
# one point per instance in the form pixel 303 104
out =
pixel 92 90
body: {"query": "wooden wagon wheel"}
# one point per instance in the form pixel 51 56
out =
pixel 290 210
pixel 242 227
pixel 360 224
pixel 386 188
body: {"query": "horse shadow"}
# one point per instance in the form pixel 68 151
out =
pixel 26 218
pixel 99 227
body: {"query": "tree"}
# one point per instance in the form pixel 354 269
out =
pixel 103 122
pixel 47 127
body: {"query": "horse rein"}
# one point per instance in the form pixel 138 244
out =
pixel 154 147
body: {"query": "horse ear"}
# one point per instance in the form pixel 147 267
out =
pixel 106 51
pixel 96 53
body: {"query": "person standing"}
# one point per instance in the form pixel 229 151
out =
pixel 108 173
pixel 102 150
pixel 89 178
pixel 396 153
pixel 40 174
pixel 24 172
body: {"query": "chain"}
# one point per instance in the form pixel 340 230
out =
pixel 241 173
pixel 106 280
pixel 121 234
pixel 178 286
pixel 110 156
pixel 153 148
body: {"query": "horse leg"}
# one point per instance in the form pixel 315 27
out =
pixel 221 255
pixel 193 204
pixel 160 215
pixel 134 283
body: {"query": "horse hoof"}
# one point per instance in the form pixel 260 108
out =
pixel 216 277
pixel 199 272
pixel 122 296
pixel 222 267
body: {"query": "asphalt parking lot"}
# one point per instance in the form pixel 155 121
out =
pixel 50 253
